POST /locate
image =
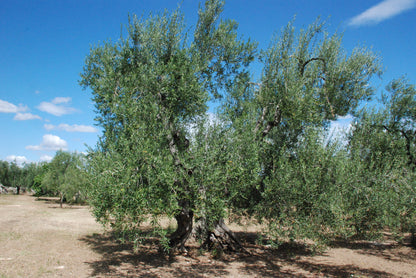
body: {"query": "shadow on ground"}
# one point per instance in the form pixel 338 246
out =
pixel 289 260
pixel 388 249
pixel 119 260
pixel 54 202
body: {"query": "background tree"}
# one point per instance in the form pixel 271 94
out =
pixel 65 176
pixel 307 80
pixel 382 148
pixel 38 188
pixel 15 176
pixel 4 173
pixel 29 172
pixel 12 175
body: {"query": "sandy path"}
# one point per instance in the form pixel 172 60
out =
pixel 38 239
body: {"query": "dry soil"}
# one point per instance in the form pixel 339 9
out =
pixel 39 239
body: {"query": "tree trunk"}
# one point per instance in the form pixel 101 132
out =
pixel 61 200
pixel 219 238
pixel 184 220
pixel 216 237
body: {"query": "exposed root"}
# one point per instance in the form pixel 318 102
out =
pixel 223 239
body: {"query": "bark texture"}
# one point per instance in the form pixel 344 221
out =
pixel 221 238
pixel 184 220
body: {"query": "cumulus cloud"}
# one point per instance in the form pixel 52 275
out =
pixel 7 107
pixel 20 160
pixel 46 158
pixel 57 107
pixel 26 116
pixel 71 128
pixel 50 143
pixel 382 11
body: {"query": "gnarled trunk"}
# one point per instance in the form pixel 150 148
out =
pixel 184 220
pixel 219 237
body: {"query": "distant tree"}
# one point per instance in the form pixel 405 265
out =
pixel 42 169
pixel 4 173
pixel 16 176
pixel 12 175
pixel 64 176
pixel 382 149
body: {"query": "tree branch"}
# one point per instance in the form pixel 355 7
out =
pixel 276 121
pixel 261 120
pixel 303 66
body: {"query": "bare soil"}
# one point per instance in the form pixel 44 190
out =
pixel 39 239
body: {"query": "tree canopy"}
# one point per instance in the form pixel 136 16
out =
pixel 263 153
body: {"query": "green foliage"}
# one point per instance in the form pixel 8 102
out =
pixel 5 178
pixel 149 89
pixel 37 180
pixel 11 175
pixel 307 80
pixel 266 154
pixel 65 177
pixel 382 147
pixel 301 196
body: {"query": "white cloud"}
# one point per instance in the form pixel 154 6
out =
pixel 382 11
pixel 71 128
pixel 7 107
pixel 46 158
pixel 347 117
pixel 20 160
pixel 50 143
pixel 339 129
pixel 48 126
pixel 26 116
pixel 59 100
pixel 56 106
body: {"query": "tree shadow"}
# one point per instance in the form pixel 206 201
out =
pixel 289 260
pixel 326 270
pixel 119 260
pixel 55 202
pixel 274 261
pixel 116 254
pixel 388 250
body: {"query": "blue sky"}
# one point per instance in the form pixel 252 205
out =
pixel 43 45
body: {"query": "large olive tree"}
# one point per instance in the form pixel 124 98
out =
pixel 162 155
pixel 150 88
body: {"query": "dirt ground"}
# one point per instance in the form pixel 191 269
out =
pixel 38 239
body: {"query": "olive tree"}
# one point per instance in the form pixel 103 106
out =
pixel 65 176
pixel 308 80
pixel 149 89
pixel 160 154
pixel 382 150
